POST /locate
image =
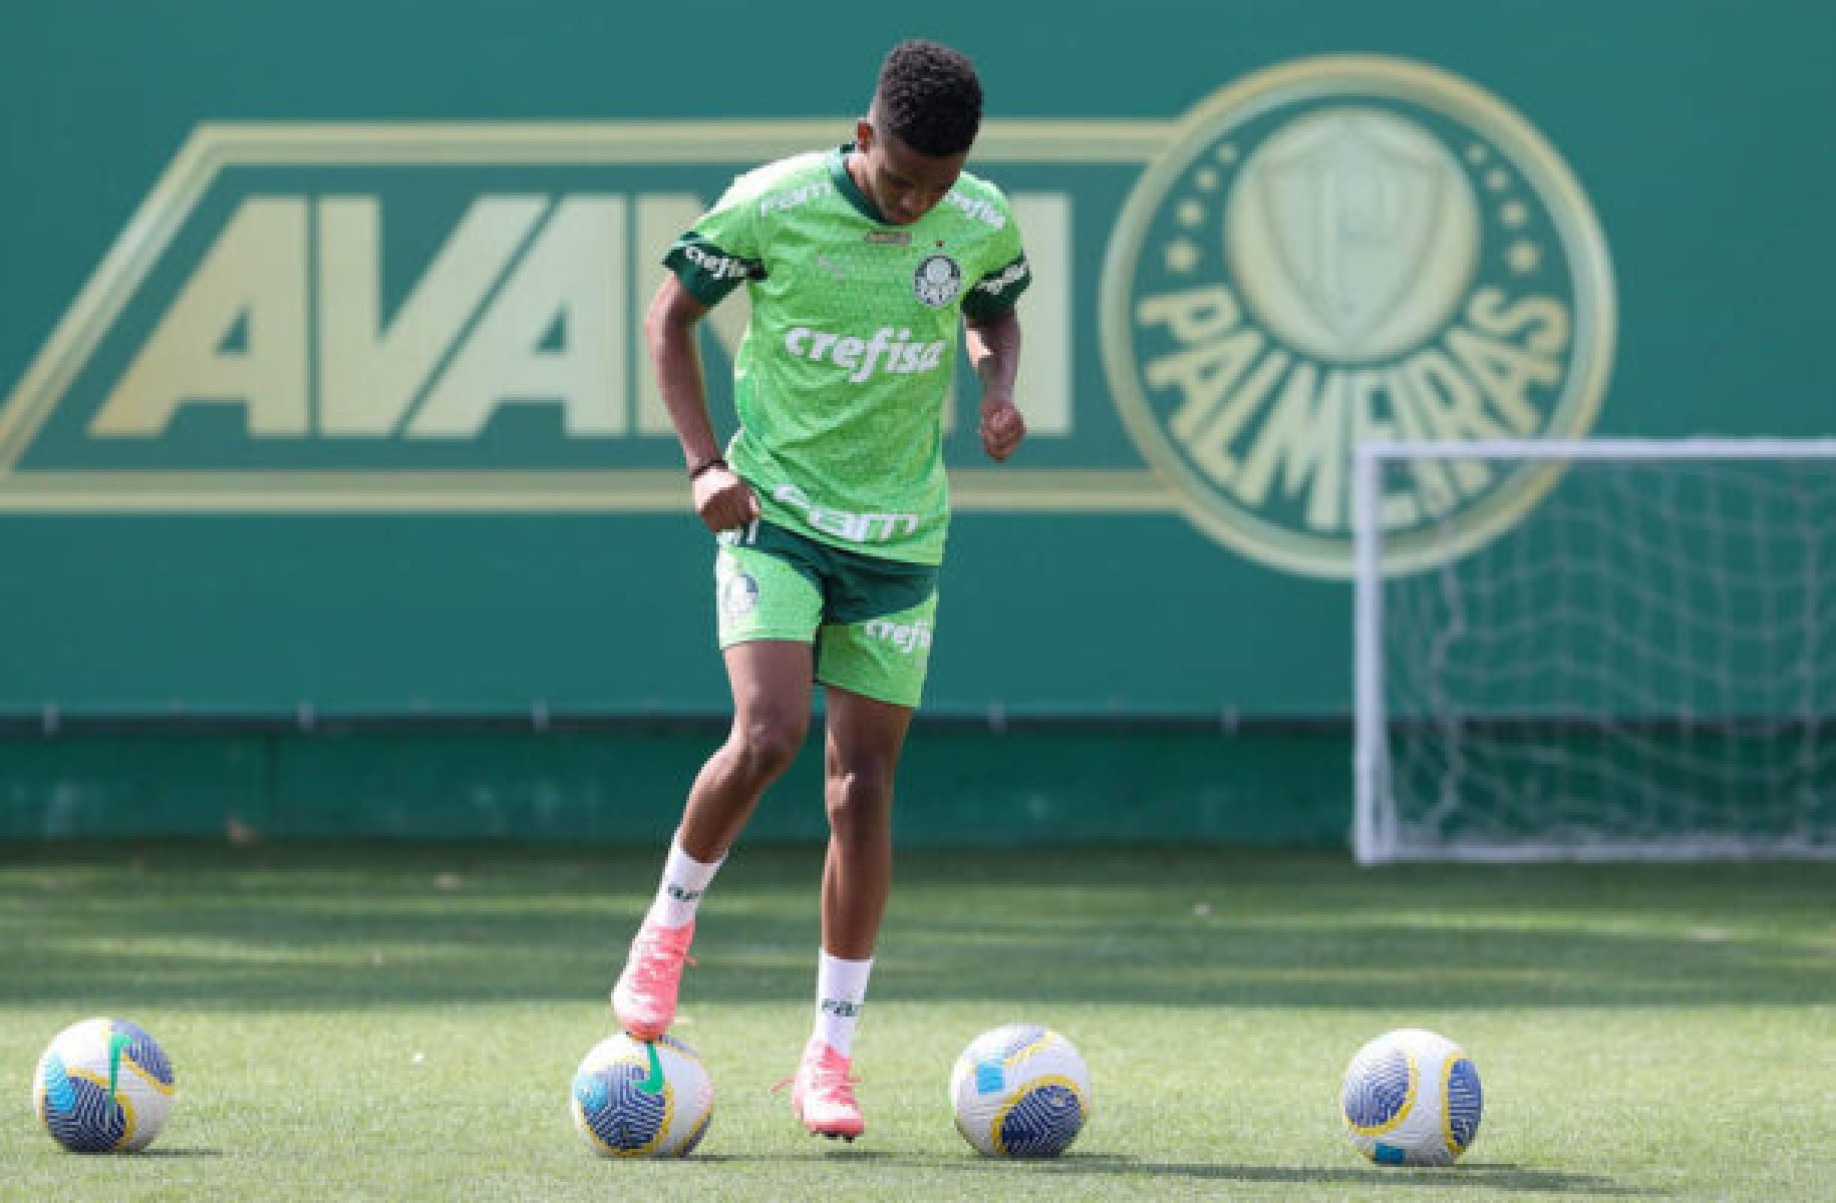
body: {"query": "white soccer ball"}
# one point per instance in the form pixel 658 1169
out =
pixel 1020 1091
pixel 637 1099
pixel 103 1086
pixel 1411 1097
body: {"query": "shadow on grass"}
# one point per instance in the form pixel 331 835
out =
pixel 1466 1176
pixel 305 926
pixel 1478 1175
pixel 180 1153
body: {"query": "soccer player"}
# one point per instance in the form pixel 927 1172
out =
pixel 830 502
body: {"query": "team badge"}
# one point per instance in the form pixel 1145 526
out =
pixel 739 593
pixel 937 281
pixel 1345 248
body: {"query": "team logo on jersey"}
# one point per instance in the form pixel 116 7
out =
pixel 937 281
pixel 1344 248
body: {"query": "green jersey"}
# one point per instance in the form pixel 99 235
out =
pixel 841 379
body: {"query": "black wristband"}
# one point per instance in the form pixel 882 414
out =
pixel 705 465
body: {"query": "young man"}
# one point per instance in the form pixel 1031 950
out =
pixel 831 501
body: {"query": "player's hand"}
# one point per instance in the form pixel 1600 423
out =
pixel 723 500
pixel 1002 429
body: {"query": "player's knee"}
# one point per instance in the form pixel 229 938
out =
pixel 765 745
pixel 859 801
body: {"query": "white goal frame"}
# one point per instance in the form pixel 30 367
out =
pixel 1374 834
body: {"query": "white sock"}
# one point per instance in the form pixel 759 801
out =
pixel 684 881
pixel 841 990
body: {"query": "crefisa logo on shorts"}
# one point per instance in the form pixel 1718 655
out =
pixel 1344 248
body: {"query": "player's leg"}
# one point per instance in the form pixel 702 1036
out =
pixel 769 665
pixel 864 739
pixel 771 694
pixel 863 743
pixel 771 684
pixel 874 674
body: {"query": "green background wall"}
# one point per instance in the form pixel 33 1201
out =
pixel 1695 128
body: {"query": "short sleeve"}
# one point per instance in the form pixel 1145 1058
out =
pixel 997 290
pixel 722 251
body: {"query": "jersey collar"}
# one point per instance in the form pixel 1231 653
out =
pixel 844 184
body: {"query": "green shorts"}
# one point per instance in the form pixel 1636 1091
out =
pixel 868 619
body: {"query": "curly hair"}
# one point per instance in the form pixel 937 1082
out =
pixel 929 97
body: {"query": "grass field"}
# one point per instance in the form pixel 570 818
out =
pixel 402 1023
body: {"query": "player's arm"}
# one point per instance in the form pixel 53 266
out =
pixel 994 351
pixel 722 499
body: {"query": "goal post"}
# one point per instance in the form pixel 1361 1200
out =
pixel 1638 661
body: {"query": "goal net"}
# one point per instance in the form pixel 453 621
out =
pixel 1641 666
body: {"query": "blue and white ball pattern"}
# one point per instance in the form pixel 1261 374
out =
pixel 1020 1091
pixel 636 1099
pixel 103 1086
pixel 1411 1097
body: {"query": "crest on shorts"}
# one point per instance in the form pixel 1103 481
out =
pixel 937 281
pixel 739 594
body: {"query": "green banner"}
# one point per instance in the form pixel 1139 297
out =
pixel 322 384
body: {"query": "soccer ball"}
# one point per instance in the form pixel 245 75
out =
pixel 1411 1097
pixel 1020 1091
pixel 637 1099
pixel 103 1086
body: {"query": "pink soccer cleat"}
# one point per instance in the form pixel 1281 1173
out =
pixel 644 1000
pixel 822 1093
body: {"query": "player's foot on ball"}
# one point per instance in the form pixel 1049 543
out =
pixel 822 1093
pixel 644 1000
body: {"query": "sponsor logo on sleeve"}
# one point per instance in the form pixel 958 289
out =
pixel 1005 279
